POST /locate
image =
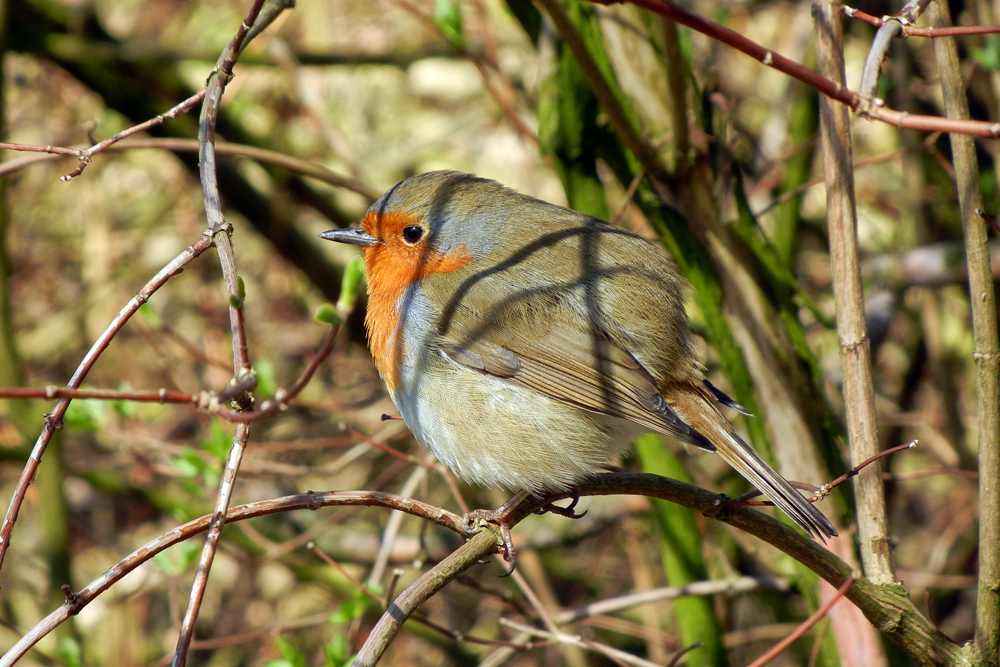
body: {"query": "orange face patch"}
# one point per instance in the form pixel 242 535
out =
pixel 391 267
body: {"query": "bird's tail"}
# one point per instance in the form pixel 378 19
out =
pixel 698 410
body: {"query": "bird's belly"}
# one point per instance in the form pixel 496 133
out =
pixel 495 433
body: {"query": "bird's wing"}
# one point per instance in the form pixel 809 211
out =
pixel 553 354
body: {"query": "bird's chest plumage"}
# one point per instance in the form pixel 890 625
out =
pixel 488 430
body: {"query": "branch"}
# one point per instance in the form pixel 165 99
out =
pixel 986 348
pixel 855 347
pixel 220 231
pixel 912 31
pixel 75 602
pixel 53 420
pixel 873 110
pixel 260 155
pixel 887 607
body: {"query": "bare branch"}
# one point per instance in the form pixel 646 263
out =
pixel 53 420
pixel 778 648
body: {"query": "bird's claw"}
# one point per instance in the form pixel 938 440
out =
pixel 569 511
pixel 476 520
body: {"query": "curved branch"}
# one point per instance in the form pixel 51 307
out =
pixel 75 602
pixel 53 420
pixel 887 607
pixel 860 105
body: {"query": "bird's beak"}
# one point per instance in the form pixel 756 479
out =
pixel 352 235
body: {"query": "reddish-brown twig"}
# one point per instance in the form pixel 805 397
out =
pixel 776 650
pixel 988 220
pixel 311 501
pixel 220 231
pixel 823 491
pixel 856 102
pixel 913 31
pixel 53 420
pixel 85 155
pixel 209 401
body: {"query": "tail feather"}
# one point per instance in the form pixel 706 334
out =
pixel 697 411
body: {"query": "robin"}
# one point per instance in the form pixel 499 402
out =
pixel 526 345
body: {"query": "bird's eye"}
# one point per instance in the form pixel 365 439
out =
pixel 412 233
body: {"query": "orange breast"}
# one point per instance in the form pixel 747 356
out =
pixel 390 268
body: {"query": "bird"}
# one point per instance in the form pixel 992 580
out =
pixel 527 345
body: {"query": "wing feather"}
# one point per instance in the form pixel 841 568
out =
pixel 576 367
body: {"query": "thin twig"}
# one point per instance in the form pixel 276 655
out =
pixel 85 156
pixel 220 231
pixel 988 220
pixel 713 587
pixel 822 84
pixel 913 31
pixel 823 491
pixel 778 648
pixel 223 498
pixel 260 155
pixel 208 401
pixel 53 420
pixel 305 501
pixel 621 657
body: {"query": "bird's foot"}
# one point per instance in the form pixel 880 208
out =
pixel 569 511
pixel 476 520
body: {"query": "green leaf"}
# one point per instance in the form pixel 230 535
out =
pixel 86 414
pixel 989 55
pixel 350 287
pixel 335 652
pixel 190 463
pixel 69 652
pixel 218 441
pixel 326 314
pixel 241 289
pixel 178 559
pixel 150 315
pixel 290 656
pixel 265 378
pixel 448 17
pixel 351 609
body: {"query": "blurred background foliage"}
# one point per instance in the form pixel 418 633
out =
pixel 380 89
